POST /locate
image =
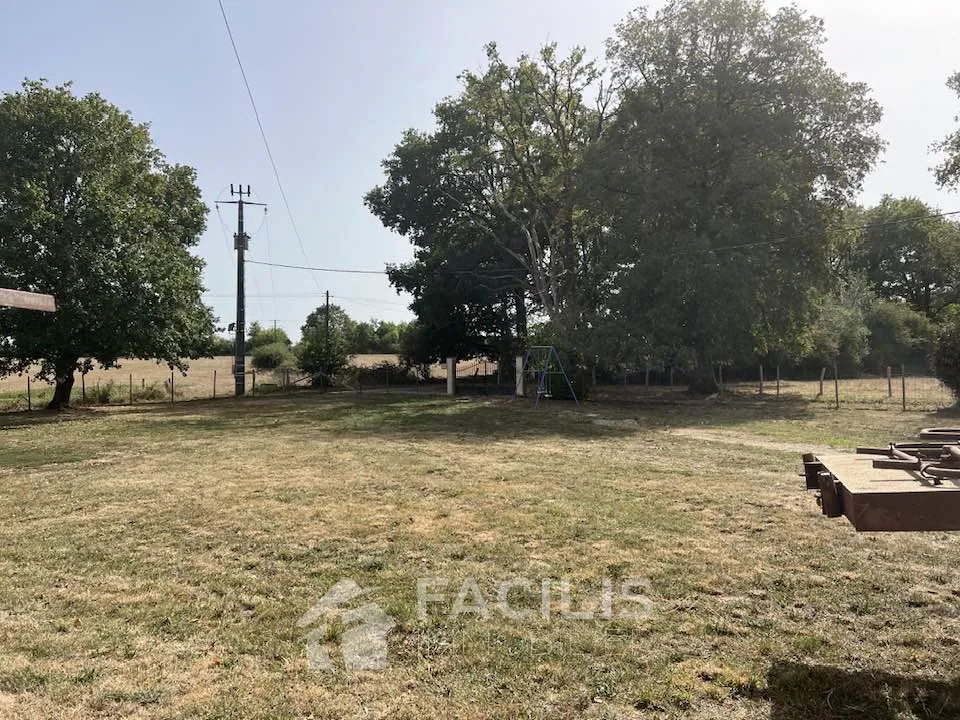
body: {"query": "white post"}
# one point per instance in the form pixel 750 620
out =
pixel 520 376
pixel 451 376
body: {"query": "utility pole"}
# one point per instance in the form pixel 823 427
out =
pixel 326 332
pixel 241 242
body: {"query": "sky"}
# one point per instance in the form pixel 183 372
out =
pixel 337 82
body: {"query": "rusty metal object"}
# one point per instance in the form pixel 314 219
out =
pixel 831 502
pixel 811 470
pixel 946 434
pixel 904 487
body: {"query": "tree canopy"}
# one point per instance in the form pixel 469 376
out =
pixel 91 212
pixel 677 204
pixel 909 254
pixel 948 171
pixel 324 347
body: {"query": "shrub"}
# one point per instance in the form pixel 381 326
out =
pixel 378 374
pixel 946 357
pixel 273 356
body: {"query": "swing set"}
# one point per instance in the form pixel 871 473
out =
pixel 544 362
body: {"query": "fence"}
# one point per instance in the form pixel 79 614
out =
pixel 145 382
pixel 896 389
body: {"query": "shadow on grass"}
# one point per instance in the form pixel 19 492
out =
pixel 409 414
pixel 808 692
pixel 25 418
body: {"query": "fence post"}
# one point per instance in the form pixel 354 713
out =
pixel 451 376
pixel 171 388
pixel 214 383
pixel 778 382
pixel 131 388
pixel 29 400
pixel 761 378
pixel 83 386
pixel 903 386
pixel 519 377
pixel 836 385
pixel 889 381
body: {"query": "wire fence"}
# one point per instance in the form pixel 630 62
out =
pixel 145 382
pixel 897 390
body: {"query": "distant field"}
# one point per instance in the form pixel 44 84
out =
pixel 197 383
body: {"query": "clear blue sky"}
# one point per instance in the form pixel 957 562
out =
pixel 337 82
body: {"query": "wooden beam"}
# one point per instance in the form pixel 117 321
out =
pixel 27 300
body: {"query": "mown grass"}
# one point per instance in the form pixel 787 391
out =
pixel 155 561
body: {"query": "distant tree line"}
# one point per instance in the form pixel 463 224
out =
pixel 323 348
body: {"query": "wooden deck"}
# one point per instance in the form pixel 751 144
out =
pixel 876 500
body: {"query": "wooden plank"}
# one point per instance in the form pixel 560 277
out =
pixel 891 499
pixel 27 300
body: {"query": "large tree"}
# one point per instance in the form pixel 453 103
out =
pixel 734 148
pixel 91 212
pixel 948 172
pixel 494 204
pixel 909 254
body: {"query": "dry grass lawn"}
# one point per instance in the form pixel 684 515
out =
pixel 155 561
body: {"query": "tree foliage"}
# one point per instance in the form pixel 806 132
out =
pixel 324 347
pixel 258 336
pixel 678 206
pixel 377 336
pixel 492 203
pixel 948 171
pixel 899 335
pixel 91 212
pixel 734 149
pixel 946 358
pixel 908 255
pixel 273 356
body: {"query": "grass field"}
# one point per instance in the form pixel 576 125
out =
pixel 155 561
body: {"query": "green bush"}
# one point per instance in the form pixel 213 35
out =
pixel 946 357
pixel 273 356
pixel 899 335
pixel 381 374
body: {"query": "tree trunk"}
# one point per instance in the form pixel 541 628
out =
pixel 702 380
pixel 520 308
pixel 61 393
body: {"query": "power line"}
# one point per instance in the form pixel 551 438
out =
pixel 850 228
pixel 369 301
pixel 263 136
pixel 319 269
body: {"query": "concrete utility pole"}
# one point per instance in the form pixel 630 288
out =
pixel 241 242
